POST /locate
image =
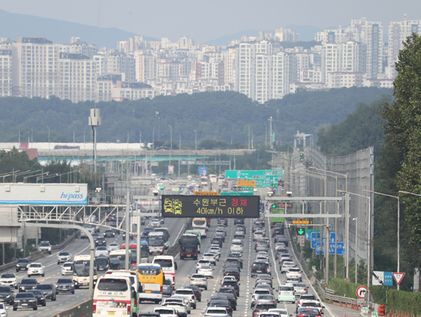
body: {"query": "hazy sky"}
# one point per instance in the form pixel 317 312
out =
pixel 210 19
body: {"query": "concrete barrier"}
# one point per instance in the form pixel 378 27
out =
pixel 81 310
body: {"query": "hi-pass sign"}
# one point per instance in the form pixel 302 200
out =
pixel 190 206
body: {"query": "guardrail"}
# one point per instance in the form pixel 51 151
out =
pixel 38 254
pixel 81 310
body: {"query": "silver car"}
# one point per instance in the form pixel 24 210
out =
pixel 199 280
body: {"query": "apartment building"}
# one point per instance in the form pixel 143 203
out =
pixel 6 70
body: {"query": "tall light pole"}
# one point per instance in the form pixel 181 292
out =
pixel 369 240
pixel 195 140
pixel 94 121
pixel 398 210
pixel 356 247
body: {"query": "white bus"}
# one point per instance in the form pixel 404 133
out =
pixel 114 296
pixel 81 265
pixel 168 265
pixel 156 242
pixel 201 225
pixel 117 259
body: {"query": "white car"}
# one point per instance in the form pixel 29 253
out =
pixel 63 256
pixel 236 245
pixel 215 250
pixel 294 273
pixel 216 312
pixel 286 266
pixel 199 280
pixel 205 270
pixel 45 246
pixel 35 268
pixel 188 294
pixel 8 279
pixel 203 262
pixel 165 311
pixel 180 304
pixel 67 268
pixel 101 251
pixel 3 311
pixel 210 256
pixel 113 246
pixel 283 312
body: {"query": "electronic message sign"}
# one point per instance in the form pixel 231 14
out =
pixel 191 206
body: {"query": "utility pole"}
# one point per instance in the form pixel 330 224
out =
pixel 270 133
pixel 94 121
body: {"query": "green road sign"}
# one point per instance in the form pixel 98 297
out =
pixel 242 193
pixel 301 231
pixel 263 178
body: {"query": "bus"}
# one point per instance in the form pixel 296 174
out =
pixel 81 265
pixel 168 265
pixel 114 296
pixel 156 242
pixel 200 224
pixel 151 278
pixel 117 259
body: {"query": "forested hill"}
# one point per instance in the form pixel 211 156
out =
pixel 223 117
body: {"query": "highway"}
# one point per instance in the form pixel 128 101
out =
pixel 53 272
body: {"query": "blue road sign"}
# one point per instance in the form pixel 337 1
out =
pixel 388 279
pixel 331 248
pixel 202 170
pixel 315 236
pixel 332 237
pixel 340 248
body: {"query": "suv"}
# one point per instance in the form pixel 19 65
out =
pixel 25 300
pixel 36 268
pixel 27 284
pixel 45 246
pixel 22 264
pixel 65 285
pixel 6 295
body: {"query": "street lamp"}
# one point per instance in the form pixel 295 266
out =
pixel 356 247
pixel 369 241
pixel 398 248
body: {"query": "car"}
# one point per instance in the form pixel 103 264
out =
pixel 102 263
pixel 49 290
pixel 22 264
pixel 196 290
pixel 227 296
pixel 67 268
pixel 262 280
pixel 311 304
pixel 287 265
pixel 308 312
pixel 232 271
pixel 210 257
pixel 45 246
pixel 232 284
pixel 215 250
pixel 65 285
pixel 6 295
pixel 63 256
pixel 109 233
pixel 187 294
pixel 236 245
pixel 205 270
pixel 182 309
pixel 148 314
pixel 304 297
pixel 113 246
pixel 25 300
pixel 258 235
pixel 178 300
pixel 41 300
pixel 221 302
pixel 101 250
pixel 235 260
pixel 8 279
pixel 294 273
pixel 167 287
pixel 299 289
pixel 27 284
pixel 228 289
pixel 166 311
pixel 261 307
pixel 100 241
pixel 199 280
pixel 283 312
pixel 35 268
pixel 230 278
pixel 262 299
pixel 286 293
pixel 216 312
pixel 263 286
pixel 3 310
pixel 259 267
pixel 217 241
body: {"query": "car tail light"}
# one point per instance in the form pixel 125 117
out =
pixel 94 307
pixel 129 308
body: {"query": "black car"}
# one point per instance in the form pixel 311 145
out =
pixel 27 284
pixel 196 290
pixel 100 241
pixel 151 314
pixel 228 289
pixel 109 233
pixel 234 260
pixel 25 300
pixel 218 241
pixel 167 288
pixel 49 290
pixel 239 221
pixel 102 263
pixel 65 285
pixel 233 284
pixel 259 267
pixel 232 271
pixel 22 264
pixel 228 296
pixel 41 300
pixel 6 295
pixel 221 302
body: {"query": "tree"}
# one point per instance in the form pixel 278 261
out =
pixel 403 133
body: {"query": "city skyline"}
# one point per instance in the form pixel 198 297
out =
pixel 206 23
